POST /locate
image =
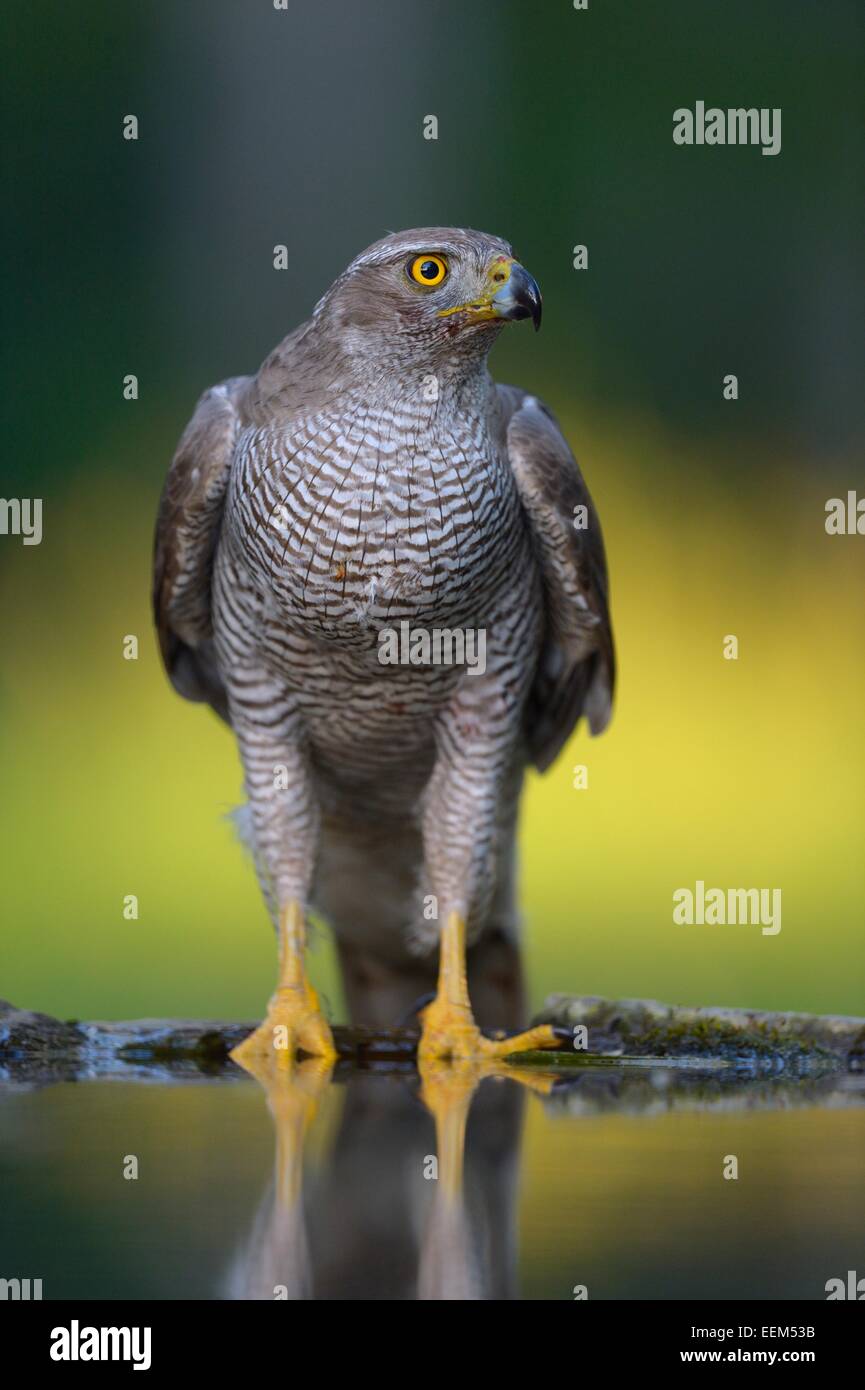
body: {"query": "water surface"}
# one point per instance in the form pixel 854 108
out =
pixel 350 1188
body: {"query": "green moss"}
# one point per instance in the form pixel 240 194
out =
pixel 716 1037
pixel 547 1057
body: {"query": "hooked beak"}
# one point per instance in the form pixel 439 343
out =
pixel 511 293
pixel 519 298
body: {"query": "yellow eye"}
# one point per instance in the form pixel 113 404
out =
pixel 428 270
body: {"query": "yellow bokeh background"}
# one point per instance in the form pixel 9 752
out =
pixel 742 773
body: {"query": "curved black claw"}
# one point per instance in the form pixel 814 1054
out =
pixel 412 1012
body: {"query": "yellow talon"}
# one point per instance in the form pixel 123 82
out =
pixel 449 1029
pixel 294 1021
pixel 450 1032
pixel 294 1024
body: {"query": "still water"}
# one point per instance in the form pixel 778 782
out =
pixel 380 1185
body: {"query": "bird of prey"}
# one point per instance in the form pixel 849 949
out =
pixel 341 537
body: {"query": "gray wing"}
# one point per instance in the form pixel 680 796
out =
pixel 576 670
pixel 187 529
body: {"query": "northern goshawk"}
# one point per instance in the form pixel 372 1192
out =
pixel 386 573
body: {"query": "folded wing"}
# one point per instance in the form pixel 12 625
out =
pixel 576 670
pixel 187 530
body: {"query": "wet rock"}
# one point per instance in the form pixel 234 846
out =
pixel 207 1040
pixel 36 1048
pixel 34 1045
pixel 765 1040
pixel 24 1033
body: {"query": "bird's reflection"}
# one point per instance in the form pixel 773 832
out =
pixel 415 1198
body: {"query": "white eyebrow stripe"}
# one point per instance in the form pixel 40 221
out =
pixel 386 254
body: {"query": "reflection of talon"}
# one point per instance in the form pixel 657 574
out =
pixel 446 1086
pixel 447 1089
pixel 293 1093
pixel 294 1021
pixel 541 1082
pixel 449 1029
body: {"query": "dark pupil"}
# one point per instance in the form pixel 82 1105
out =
pixel 429 270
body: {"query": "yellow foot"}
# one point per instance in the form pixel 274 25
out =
pixel 450 1032
pixel 294 1024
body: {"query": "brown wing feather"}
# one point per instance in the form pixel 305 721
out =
pixel 576 670
pixel 187 529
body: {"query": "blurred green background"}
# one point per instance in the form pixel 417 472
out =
pixel 154 257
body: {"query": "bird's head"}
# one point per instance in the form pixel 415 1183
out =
pixel 428 291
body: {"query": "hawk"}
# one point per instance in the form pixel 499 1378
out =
pixel 373 479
